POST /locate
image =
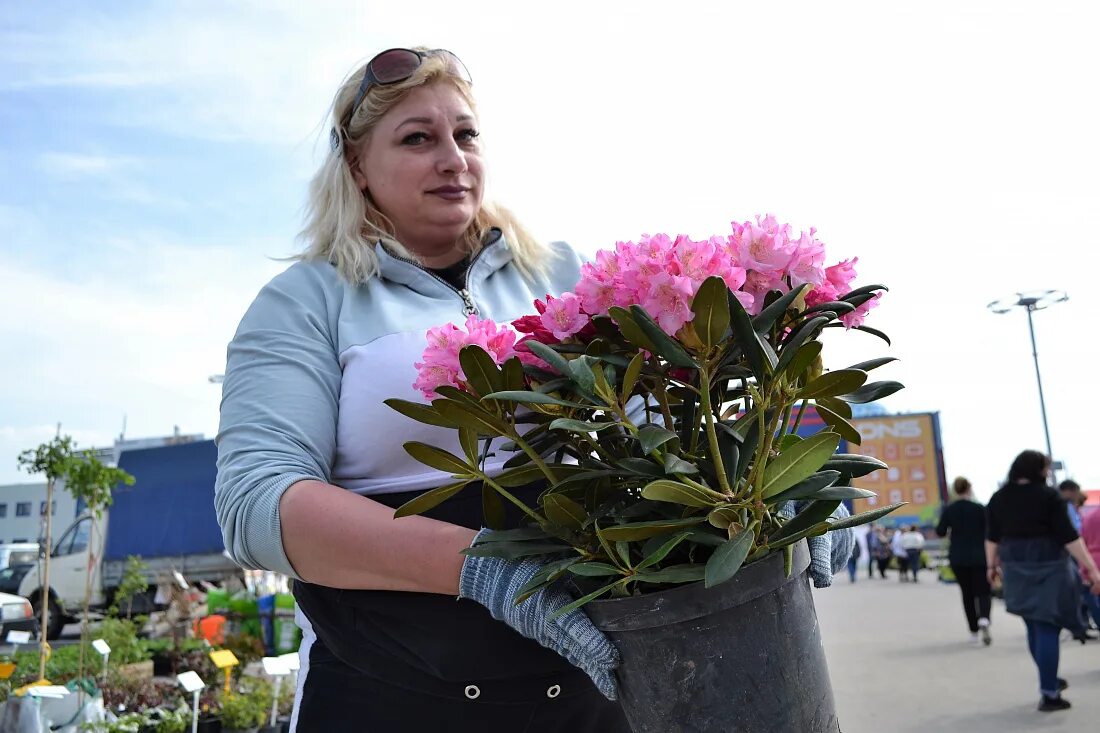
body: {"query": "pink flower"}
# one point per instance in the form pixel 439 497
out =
pixel 764 246
pixel 758 285
pixel 856 317
pixel 429 377
pixel 807 263
pixel 563 316
pixel 667 299
pixel 841 275
pixel 822 293
pixel 596 289
pixel 440 363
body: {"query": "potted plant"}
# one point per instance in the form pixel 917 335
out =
pixel 245 710
pixel 660 404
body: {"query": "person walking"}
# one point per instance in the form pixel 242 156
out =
pixel 1071 493
pixel 963 523
pixel 873 543
pixel 1028 536
pixel 882 551
pixel 897 548
pixel 1090 534
pixel 853 561
pixel 912 541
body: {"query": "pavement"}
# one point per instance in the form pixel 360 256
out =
pixel 901 662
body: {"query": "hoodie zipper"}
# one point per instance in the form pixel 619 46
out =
pixel 469 307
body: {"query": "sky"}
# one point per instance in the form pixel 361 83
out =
pixel 154 158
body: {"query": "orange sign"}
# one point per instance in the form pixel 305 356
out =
pixel 910 446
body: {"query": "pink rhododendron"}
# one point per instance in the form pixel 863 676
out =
pixel 764 246
pixel 759 284
pixel 807 263
pixel 563 316
pixel 856 317
pixel 441 365
pixel 841 275
pixel 667 298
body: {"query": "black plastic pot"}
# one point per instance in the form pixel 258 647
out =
pixel 743 656
pixel 210 725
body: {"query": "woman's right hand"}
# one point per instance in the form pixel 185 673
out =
pixel 993 574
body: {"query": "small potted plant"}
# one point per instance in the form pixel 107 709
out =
pixel 659 405
pixel 245 710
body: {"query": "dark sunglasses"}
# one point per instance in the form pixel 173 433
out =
pixel 390 67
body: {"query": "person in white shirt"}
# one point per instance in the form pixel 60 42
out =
pixel 900 555
pixel 912 541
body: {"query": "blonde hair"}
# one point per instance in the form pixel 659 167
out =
pixel 342 222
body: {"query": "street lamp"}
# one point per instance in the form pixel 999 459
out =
pixel 1035 300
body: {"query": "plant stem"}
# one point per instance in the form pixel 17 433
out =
pixel 801 412
pixel 712 435
pixel 532 454
pixel 662 400
pixel 508 495
pixel 786 421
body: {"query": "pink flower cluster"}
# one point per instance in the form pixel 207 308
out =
pixel 441 366
pixel 662 275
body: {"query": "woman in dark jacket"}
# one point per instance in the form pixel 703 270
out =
pixel 964 519
pixel 1027 537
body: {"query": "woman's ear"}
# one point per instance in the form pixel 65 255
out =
pixel 354 158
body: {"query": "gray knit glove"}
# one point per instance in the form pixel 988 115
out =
pixel 493 583
pixel 829 552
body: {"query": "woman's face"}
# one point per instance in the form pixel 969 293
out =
pixel 422 167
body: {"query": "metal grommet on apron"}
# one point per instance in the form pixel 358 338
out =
pixel 553 691
pixel 473 692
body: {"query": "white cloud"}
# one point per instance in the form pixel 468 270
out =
pixel 72 166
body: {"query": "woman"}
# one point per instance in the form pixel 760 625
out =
pixel 963 522
pixel 310 460
pixel 1028 534
pixel 912 541
pixel 882 551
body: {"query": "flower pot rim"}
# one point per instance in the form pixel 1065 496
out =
pixel 688 602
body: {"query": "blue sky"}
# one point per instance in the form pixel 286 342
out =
pixel 154 157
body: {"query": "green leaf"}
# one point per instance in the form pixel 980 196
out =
pixel 594 569
pixel 547 574
pixel 805 332
pixel 562 510
pixel 686 573
pixel 775 310
pixel 590 597
pixel 421 413
pixel 814 513
pixel 839 307
pixel 492 508
pixel 580 371
pixel 838 406
pixel 467 438
pixel 476 418
pixel 853 464
pixel 429 500
pixel 866 366
pixel 665 345
pixel 580 426
pixel 654 436
pixel 799 462
pixel 674 465
pixel 641 467
pixel 728 559
pixel 723 516
pixel 531 398
pixel 801 360
pixel 675 492
pixel 482 373
pixel 866 289
pixel 831 384
pixel 839 424
pixel 526 474
pixel 857 519
pixel 438 459
pixel 712 312
pixel 789 441
pixel 512 376
pixel 871 392
pixel 746 337
pixel 521 534
pixel 644 530
pixel 661 552
pixel 812 531
pixel 551 357
pixel 806 488
pixel 875 332
pixel 515 550
pixel 630 377
pixel 630 329
pixel 844 493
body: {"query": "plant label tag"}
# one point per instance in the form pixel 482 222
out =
pixel 101 646
pixel 276 666
pixel 180 580
pixel 190 681
pixel 19 637
pixel 223 658
pixel 7 669
pixel 54 692
pixel 291 660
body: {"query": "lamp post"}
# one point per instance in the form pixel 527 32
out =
pixel 1032 301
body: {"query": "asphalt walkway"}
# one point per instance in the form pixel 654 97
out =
pixel 901 662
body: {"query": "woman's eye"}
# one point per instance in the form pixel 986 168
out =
pixel 468 135
pixel 414 138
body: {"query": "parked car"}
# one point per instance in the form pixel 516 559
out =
pixel 16 614
pixel 17 553
pixel 12 576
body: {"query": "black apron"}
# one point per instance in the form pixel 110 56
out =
pixel 392 661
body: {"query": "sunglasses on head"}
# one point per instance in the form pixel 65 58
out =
pixel 390 67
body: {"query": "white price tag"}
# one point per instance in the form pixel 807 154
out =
pixel 180 580
pixel 191 681
pixel 101 646
pixel 49 691
pixel 276 666
pixel 292 661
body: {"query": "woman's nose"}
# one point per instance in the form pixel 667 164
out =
pixel 452 158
